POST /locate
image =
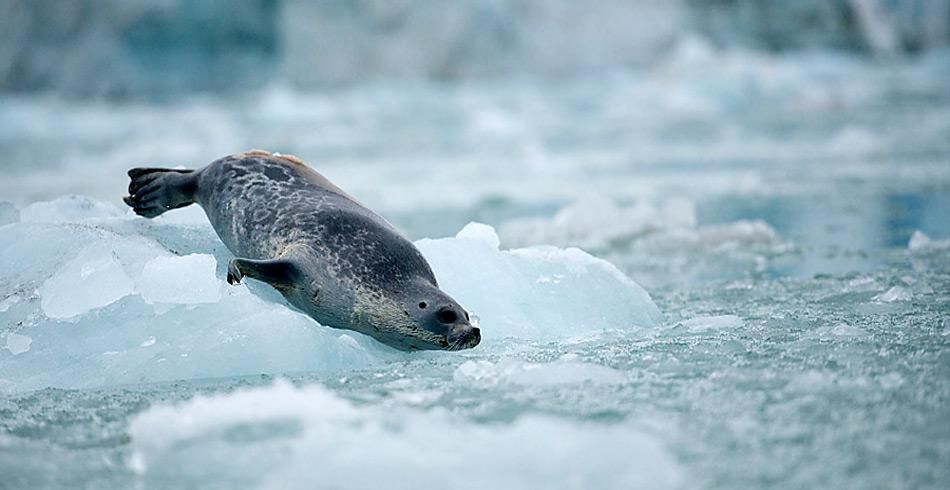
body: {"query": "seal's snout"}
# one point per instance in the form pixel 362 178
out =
pixel 463 336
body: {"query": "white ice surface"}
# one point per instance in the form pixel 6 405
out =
pixel 278 436
pixel 188 279
pixel 93 279
pixel 537 291
pixel 67 209
pixel 118 299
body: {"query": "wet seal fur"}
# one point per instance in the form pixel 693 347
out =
pixel 329 255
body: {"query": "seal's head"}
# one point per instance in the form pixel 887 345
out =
pixel 439 314
pixel 417 317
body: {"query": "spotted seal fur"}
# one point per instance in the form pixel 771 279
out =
pixel 329 255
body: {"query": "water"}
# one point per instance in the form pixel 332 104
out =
pixel 786 214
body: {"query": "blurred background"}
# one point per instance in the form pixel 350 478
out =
pixel 162 48
pixel 775 173
pixel 765 128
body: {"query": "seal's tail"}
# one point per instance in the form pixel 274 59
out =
pixel 152 191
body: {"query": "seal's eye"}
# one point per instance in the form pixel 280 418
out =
pixel 446 316
pixel 423 305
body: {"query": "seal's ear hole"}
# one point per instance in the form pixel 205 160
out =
pixel 446 316
pixel 466 316
pixel 423 305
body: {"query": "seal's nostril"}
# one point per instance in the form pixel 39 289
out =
pixel 446 316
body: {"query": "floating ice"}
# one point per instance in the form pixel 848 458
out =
pixel 863 284
pixel 896 293
pixel 269 437
pixel 536 292
pixel 595 220
pixel 564 371
pixel 67 209
pixel 712 323
pixel 919 242
pixel 929 254
pixel 93 279
pixel 840 332
pixel 480 232
pixel 108 300
pixel 633 236
pixel 188 279
pixel 18 344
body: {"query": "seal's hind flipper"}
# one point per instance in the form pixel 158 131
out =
pixel 152 191
pixel 280 273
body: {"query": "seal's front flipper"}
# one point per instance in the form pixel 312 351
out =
pixel 280 273
pixel 152 191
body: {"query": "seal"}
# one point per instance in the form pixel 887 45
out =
pixel 327 254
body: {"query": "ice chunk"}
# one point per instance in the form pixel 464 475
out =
pixel 191 215
pixel 188 279
pixel 632 236
pixel 69 208
pixel 93 279
pixel 8 302
pixel 894 294
pixel 929 254
pixel 863 284
pixel 919 241
pixel 88 273
pixel 18 344
pixel 594 220
pixel 269 437
pixel 839 332
pixel 480 232
pixel 538 291
pixel 185 323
